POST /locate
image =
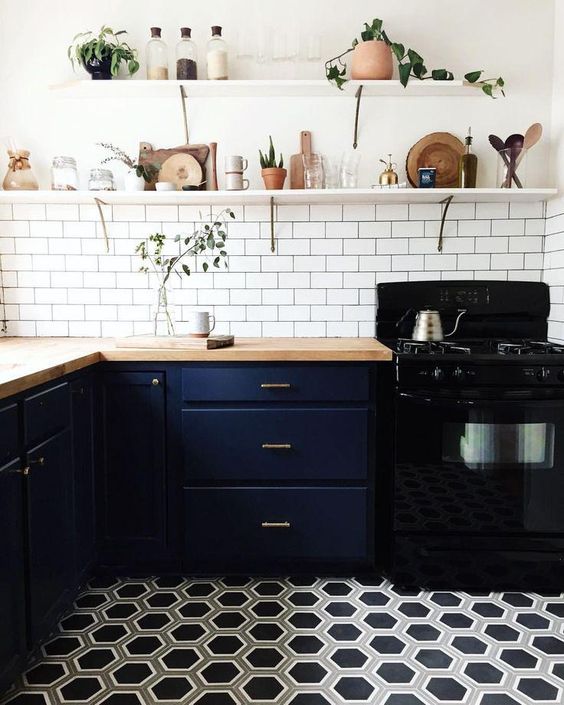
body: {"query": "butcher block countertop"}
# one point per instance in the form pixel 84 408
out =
pixel 27 362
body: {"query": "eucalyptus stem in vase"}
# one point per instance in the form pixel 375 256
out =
pixel 208 241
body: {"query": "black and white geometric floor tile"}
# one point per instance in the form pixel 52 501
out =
pixel 298 641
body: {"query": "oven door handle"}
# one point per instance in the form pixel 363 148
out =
pixel 428 399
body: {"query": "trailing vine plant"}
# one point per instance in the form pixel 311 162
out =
pixel 410 64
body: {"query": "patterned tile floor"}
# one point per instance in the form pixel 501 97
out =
pixel 300 642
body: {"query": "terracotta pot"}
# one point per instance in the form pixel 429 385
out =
pixel 274 178
pixel 372 61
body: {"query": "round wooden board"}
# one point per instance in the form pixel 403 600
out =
pixel 440 150
pixel 182 170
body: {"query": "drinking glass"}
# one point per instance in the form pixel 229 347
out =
pixel 313 43
pixel 313 171
pixel 349 169
pixel 331 170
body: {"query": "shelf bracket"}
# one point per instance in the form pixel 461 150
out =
pixel 183 100
pixel 446 204
pixel 358 96
pixel 99 203
pixel 272 233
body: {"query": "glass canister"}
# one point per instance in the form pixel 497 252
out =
pixel 157 56
pixel 19 176
pixel 101 180
pixel 64 174
pixel 186 57
pixel 217 56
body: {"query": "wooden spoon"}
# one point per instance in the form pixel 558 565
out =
pixel 532 136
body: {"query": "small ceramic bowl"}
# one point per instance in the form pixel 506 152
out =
pixel 165 186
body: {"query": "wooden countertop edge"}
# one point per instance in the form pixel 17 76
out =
pixel 23 377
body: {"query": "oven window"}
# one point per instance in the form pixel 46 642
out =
pixel 483 446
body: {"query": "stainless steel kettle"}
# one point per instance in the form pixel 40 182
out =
pixel 428 326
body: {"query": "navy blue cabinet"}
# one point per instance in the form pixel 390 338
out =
pixel 132 468
pixel 51 532
pixel 12 561
pixel 83 462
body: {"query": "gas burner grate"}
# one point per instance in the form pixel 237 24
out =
pixel 429 347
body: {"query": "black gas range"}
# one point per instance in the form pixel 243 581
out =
pixel 478 496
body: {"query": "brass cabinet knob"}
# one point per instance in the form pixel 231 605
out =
pixel 275 524
pixel 155 382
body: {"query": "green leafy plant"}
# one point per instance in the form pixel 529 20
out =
pixel 148 171
pixel 268 159
pixel 208 240
pixel 410 64
pixel 107 45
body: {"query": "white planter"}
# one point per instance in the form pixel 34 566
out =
pixel 132 182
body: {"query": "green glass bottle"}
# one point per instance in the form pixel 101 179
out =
pixel 468 165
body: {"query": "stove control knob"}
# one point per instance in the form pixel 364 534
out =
pixel 458 374
pixel 438 374
pixel 543 374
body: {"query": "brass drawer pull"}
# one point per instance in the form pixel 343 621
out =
pixel 39 461
pixel 281 385
pixel 277 446
pixel 19 471
pixel 275 524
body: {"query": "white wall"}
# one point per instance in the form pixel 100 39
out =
pixel 507 37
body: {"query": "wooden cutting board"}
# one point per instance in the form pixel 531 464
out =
pixel 440 150
pixel 175 342
pixel 296 161
pixel 184 165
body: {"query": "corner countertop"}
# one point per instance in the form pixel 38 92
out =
pixel 27 362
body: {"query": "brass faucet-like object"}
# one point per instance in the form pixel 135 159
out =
pixel 389 176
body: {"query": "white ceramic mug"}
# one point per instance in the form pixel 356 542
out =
pixel 201 324
pixel 236 182
pixel 235 164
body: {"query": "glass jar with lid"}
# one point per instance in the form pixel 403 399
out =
pixel 101 180
pixel 64 174
pixel 186 56
pixel 157 56
pixel 217 56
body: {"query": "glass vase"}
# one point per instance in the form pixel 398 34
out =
pixel 162 312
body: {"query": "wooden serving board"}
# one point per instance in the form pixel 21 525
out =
pixel 296 161
pixel 176 342
pixel 192 173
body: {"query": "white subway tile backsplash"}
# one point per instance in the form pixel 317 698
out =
pixel 321 280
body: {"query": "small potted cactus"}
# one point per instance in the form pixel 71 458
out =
pixel 273 175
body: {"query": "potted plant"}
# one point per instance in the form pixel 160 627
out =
pixel 208 240
pixel 370 57
pixel 272 175
pixel 102 55
pixel 137 174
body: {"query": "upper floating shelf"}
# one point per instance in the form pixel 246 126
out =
pixel 139 88
pixel 284 197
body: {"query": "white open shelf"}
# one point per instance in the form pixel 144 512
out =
pixel 284 197
pixel 132 88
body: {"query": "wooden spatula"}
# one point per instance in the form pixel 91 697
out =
pixel 296 161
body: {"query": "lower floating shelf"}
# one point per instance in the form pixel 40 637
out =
pixel 283 197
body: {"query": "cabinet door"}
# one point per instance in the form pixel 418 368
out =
pixel 12 594
pixel 81 394
pixel 51 531
pixel 133 482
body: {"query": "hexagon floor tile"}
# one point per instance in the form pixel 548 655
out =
pixel 297 641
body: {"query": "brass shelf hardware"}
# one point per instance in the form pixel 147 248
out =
pixel 446 204
pixel 275 524
pixel 358 96
pixel 281 385
pixel 272 233
pixel 277 446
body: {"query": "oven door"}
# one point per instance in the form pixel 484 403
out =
pixel 479 466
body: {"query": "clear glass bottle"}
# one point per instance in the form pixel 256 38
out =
pixel 186 56
pixel 157 56
pixel 64 174
pixel 217 56
pixel 101 180
pixel 19 176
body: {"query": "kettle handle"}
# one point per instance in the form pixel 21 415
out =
pixel 461 312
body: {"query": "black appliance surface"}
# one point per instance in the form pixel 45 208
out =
pixel 479 446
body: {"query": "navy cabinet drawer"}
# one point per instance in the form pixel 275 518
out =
pixel 46 413
pixel 9 440
pixel 261 525
pixel 275 444
pixel 275 383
